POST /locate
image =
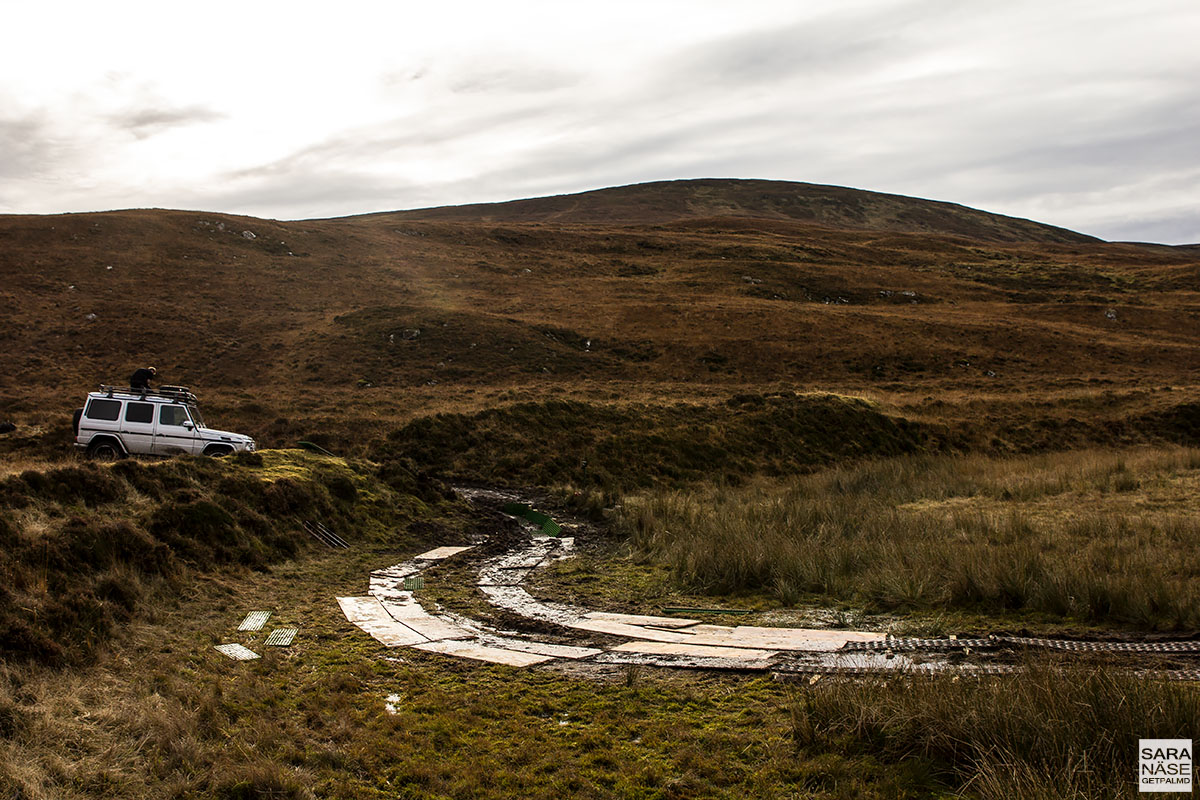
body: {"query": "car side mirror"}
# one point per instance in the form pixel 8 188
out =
pixel 187 423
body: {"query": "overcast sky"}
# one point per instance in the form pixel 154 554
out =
pixel 1084 114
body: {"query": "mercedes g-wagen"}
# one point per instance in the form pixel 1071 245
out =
pixel 118 422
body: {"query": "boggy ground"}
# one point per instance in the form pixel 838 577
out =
pixel 155 712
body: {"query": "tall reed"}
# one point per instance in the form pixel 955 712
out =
pixel 950 532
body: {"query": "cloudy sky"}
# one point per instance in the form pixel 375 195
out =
pixel 1080 113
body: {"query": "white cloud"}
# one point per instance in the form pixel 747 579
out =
pixel 1082 114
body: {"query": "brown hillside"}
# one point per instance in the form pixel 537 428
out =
pixel 829 206
pixel 353 324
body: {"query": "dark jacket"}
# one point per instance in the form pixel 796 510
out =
pixel 141 379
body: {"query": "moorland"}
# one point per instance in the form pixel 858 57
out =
pixel 776 396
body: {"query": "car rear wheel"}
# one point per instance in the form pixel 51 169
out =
pixel 104 451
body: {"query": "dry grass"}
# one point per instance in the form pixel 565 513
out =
pixel 1091 536
pixel 1049 733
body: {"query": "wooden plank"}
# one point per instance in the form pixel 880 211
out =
pixel 800 639
pixel 440 553
pixel 628 631
pixel 540 648
pixel 480 652
pixel 642 619
pixel 519 601
pixel 701 651
pixel 369 614
pixel 414 616
pixel 401 570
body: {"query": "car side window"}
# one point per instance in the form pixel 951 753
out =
pixel 172 415
pixel 139 412
pixel 108 410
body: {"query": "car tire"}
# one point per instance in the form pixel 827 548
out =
pixel 105 450
pixel 218 451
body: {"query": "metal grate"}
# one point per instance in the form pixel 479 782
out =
pixel 413 584
pixel 324 535
pixel 995 642
pixel 254 621
pixel 236 652
pixel 281 637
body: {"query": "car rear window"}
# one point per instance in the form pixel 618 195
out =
pixel 108 410
pixel 139 412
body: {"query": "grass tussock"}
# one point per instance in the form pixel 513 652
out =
pixel 1092 536
pixel 605 447
pixel 1048 733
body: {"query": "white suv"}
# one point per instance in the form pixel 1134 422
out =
pixel 119 422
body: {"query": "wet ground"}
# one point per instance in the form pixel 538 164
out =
pixel 525 631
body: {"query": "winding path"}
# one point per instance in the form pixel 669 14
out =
pixel 392 614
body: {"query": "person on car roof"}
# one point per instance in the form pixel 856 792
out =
pixel 142 377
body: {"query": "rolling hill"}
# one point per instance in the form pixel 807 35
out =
pixel 666 202
pixel 692 290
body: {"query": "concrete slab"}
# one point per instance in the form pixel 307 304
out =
pixel 702 651
pixel 369 614
pixel 480 652
pixel 440 553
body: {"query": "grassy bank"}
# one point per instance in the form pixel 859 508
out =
pixel 1091 536
pixel 85 546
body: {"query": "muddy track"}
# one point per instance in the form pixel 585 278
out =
pixel 579 639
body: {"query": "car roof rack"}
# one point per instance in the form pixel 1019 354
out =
pixel 176 393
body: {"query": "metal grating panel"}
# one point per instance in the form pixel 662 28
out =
pixel 254 621
pixel 281 637
pixel 236 652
